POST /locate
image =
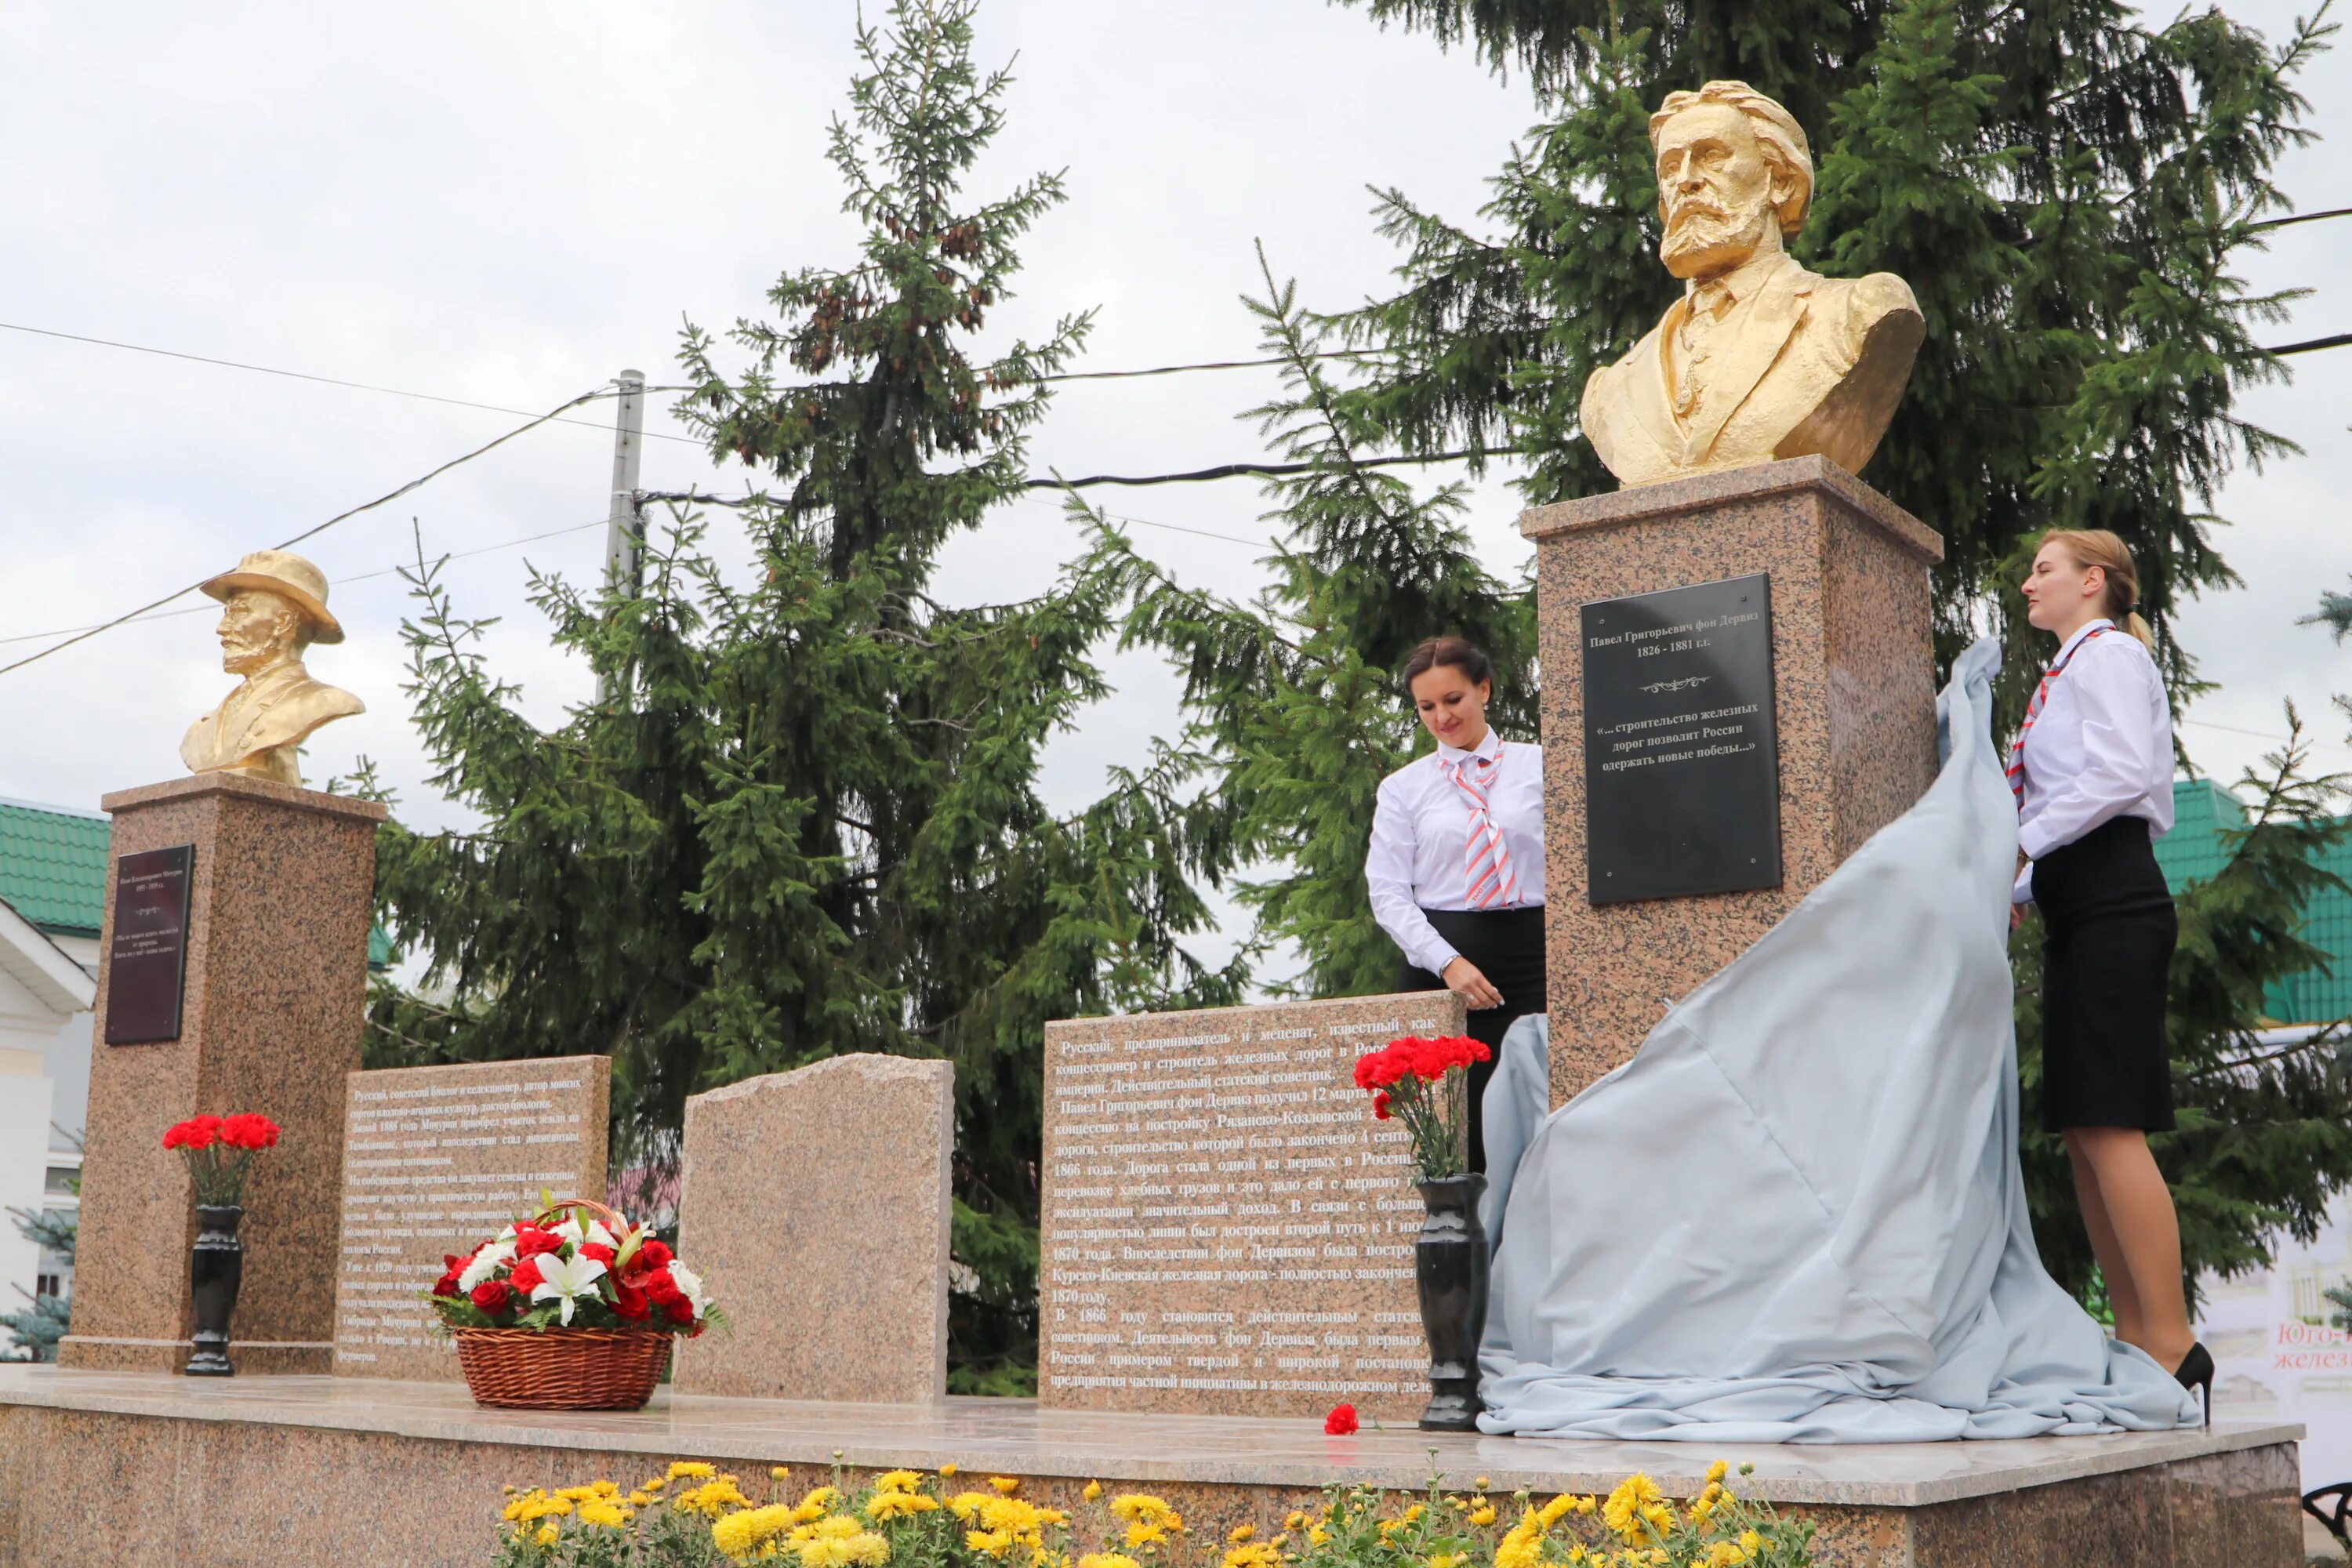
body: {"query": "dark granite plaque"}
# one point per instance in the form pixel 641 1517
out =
pixel 147 967
pixel 1682 773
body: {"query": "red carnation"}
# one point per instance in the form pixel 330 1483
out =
pixel 448 1284
pixel 1381 1105
pixel 650 1255
pixel 196 1132
pixel 531 1242
pixel 491 1295
pixel 1341 1421
pixel 629 1302
pixel 597 1250
pixel 679 1308
pixel 661 1289
pixel 525 1275
pixel 249 1130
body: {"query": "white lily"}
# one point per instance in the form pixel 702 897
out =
pixel 485 1263
pixel 562 1279
pixel 689 1285
pixel 571 1231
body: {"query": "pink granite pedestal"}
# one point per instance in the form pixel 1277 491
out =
pixel 1853 687
pixel 279 896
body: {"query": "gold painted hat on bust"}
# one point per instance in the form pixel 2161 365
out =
pixel 291 578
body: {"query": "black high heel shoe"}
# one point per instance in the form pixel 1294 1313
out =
pixel 2196 1371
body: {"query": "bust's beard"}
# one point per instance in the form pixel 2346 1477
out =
pixel 1704 244
pixel 249 659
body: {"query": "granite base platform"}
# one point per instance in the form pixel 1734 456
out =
pixel 139 1468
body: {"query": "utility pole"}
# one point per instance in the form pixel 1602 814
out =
pixel 622 532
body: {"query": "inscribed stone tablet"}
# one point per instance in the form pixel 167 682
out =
pixel 1682 767
pixel 1226 1229
pixel 436 1160
pixel 148 964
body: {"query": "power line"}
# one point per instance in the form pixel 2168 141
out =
pixel 2311 344
pixel 2301 217
pixel 338 581
pixel 392 495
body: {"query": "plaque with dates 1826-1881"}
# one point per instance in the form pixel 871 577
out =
pixel 1682 770
pixel 147 965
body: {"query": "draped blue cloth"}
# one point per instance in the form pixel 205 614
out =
pixel 1796 1215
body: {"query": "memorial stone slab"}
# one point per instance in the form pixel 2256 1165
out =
pixel 816 1206
pixel 1226 1229
pixel 435 1160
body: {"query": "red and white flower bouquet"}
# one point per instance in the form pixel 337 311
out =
pixel 573 1309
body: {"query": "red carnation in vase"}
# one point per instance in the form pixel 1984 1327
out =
pixel 1381 1105
pixel 248 1130
pixel 196 1132
pixel 492 1295
pixel 1341 1421
pixel 525 1275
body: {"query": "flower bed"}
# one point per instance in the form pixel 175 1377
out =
pixel 694 1516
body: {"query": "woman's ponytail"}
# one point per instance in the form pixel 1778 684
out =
pixel 2098 547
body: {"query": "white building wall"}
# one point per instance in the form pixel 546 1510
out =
pixel 2276 1358
pixel 25 1104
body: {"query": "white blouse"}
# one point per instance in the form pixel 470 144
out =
pixel 1421 842
pixel 2101 748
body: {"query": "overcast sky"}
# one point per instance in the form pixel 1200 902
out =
pixel 509 203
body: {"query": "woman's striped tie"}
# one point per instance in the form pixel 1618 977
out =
pixel 1486 863
pixel 2033 712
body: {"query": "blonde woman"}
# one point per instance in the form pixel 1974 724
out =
pixel 2092 769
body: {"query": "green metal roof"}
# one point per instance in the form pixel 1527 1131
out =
pixel 2193 851
pixel 53 866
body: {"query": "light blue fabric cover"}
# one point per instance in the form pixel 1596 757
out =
pixel 1796 1215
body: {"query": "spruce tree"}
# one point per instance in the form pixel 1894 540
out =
pixel 36 1330
pixel 803 819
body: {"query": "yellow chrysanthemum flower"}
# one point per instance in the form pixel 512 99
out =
pixel 1627 1509
pixel 741 1535
pixel 1092 1493
pixel 548 1535
pixel 947 1470
pixel 639 1499
pixel 1724 1554
pixel 1257 1554
pixel 1005 1485
pixel 989 1542
pixel 577 1494
pixel 1716 1471
pixel 1298 1520
pixel 690 1469
pixel 1482 1483
pixel 1750 1542
pixel 897 1482
pixel 966 1506
pixel 712 1498
pixel 885 1506
pixel 861 1549
pixel 1141 1536
pixel 821 1498
pixel 1240 1533
pixel 1448 1559
pixel 1108 1560
pixel 1483 1515
pixel 1318 1536
pixel 606 1513
pixel 1144 1509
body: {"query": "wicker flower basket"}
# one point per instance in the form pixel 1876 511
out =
pixel 564 1368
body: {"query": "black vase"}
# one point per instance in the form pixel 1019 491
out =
pixel 1451 1263
pixel 214 1275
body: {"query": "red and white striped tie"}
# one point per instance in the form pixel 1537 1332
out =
pixel 2033 712
pixel 1486 863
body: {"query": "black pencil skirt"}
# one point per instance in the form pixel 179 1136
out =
pixel 2110 929
pixel 1507 946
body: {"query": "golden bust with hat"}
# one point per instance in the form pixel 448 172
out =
pixel 275 607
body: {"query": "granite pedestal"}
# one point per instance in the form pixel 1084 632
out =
pixel 139 1470
pixel 816 1206
pixel 1854 690
pixel 280 889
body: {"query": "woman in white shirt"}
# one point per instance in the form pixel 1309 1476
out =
pixel 1456 868
pixel 2092 766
